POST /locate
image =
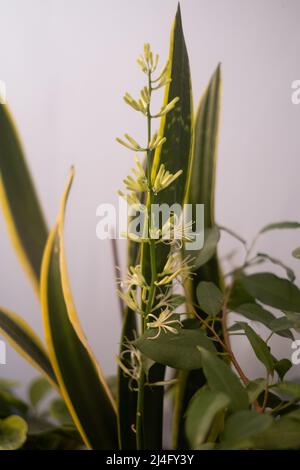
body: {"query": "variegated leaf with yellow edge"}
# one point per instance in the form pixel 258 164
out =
pixel 23 339
pixel 20 204
pixel 81 381
pixel 175 154
pixel 201 190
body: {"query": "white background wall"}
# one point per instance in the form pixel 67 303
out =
pixel 67 63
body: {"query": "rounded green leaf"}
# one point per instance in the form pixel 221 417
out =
pixel 202 410
pixel 13 431
pixel 59 411
pixel 210 298
pixel 39 389
pixel 296 253
pixel 175 350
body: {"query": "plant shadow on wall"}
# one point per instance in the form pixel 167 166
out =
pixel 175 338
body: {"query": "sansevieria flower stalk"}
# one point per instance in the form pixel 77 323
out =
pixel 152 184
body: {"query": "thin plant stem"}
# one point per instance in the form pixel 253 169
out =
pixel 234 361
pixel 266 395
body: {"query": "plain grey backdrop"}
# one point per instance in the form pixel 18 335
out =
pixel 66 65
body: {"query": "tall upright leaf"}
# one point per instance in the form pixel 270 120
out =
pixel 80 379
pixel 175 154
pixel 22 211
pixel 201 190
pixel 203 169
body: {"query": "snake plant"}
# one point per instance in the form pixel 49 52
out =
pixel 175 336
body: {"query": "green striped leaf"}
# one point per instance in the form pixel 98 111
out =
pixel 202 175
pixel 175 154
pixel 23 339
pixel 22 211
pixel 81 381
pixel 201 190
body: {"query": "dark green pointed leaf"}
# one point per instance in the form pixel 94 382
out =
pixel 282 367
pixel 289 272
pixel 261 349
pixel 272 290
pixel 165 349
pixel 239 296
pixel 205 149
pixel 221 378
pixel 202 410
pixel 176 126
pixel 281 323
pixel 202 175
pixel 257 313
pixel 175 154
pixel 280 225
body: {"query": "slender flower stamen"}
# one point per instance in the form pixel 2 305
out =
pixel 164 322
pixel 176 267
pixel 134 278
pixel 130 362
